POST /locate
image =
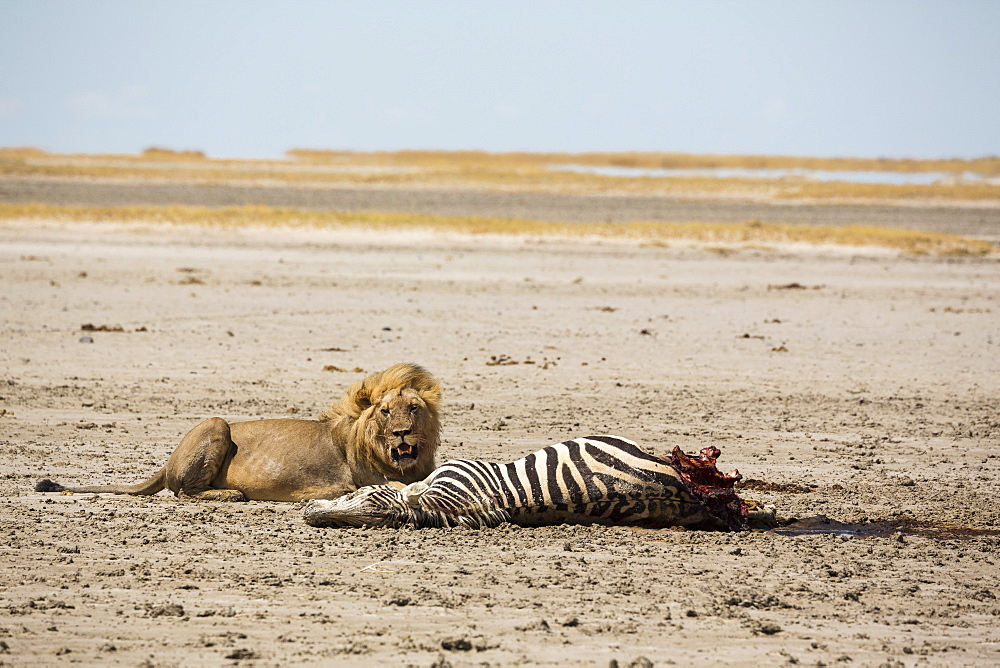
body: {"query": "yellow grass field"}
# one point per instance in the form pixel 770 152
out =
pixel 752 233
pixel 530 172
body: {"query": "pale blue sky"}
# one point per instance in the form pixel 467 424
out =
pixel 911 78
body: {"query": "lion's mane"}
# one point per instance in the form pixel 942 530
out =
pixel 354 416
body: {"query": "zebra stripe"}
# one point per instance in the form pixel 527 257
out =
pixel 510 497
pixel 530 469
pixel 598 479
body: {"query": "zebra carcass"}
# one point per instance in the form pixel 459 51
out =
pixel 593 480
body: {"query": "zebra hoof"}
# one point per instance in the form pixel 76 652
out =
pixel 412 493
pixel 760 516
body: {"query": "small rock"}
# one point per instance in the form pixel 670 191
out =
pixel 86 339
pixel 242 654
pixel 169 610
pixel 456 644
pixel 400 601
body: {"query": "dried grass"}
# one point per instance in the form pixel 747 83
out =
pixel 514 172
pixel 984 166
pixel 752 234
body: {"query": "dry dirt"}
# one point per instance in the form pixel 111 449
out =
pixel 857 386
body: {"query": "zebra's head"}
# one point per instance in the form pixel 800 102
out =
pixel 373 506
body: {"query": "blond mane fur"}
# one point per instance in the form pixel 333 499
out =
pixel 353 415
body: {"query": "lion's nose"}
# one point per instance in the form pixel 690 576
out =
pixel 400 432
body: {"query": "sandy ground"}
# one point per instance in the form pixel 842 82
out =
pixel 857 386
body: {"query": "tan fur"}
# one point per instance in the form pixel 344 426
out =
pixel 365 438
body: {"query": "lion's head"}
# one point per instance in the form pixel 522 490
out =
pixel 391 421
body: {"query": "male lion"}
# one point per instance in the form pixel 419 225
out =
pixel 385 428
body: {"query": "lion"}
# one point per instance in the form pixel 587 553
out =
pixel 386 428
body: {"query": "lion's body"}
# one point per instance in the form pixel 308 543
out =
pixel 384 429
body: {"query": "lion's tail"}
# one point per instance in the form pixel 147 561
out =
pixel 145 488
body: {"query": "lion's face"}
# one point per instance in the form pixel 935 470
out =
pixel 388 424
pixel 405 429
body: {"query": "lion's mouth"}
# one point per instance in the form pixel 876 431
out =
pixel 404 454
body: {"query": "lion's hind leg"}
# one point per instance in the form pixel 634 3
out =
pixel 197 461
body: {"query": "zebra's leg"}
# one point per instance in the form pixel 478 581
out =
pixel 760 516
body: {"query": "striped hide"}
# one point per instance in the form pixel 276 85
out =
pixel 592 480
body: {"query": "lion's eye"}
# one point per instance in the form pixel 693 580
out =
pixel 414 408
pixel 385 411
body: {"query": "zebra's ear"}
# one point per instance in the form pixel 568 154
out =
pixel 412 493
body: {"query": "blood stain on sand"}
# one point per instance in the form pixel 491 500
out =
pixel 821 524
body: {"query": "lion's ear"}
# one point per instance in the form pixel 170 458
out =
pixel 360 395
pixel 431 394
